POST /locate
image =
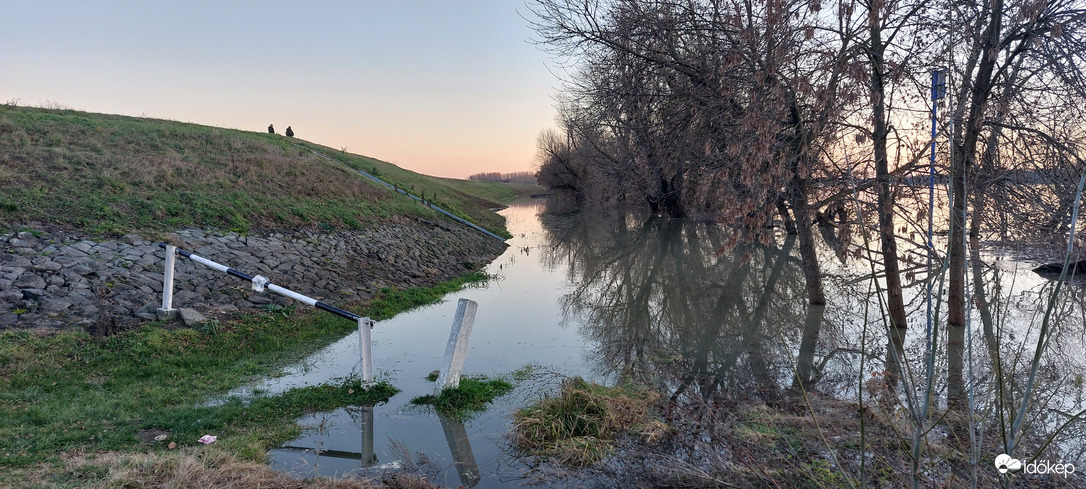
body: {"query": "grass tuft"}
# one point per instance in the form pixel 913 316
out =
pixel 470 397
pixel 576 426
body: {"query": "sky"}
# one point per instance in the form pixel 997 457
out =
pixel 446 88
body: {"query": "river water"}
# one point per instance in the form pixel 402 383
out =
pixel 661 301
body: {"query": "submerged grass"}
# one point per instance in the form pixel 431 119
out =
pixel 577 425
pixel 72 393
pixel 470 397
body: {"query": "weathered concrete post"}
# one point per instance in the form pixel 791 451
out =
pixel 167 311
pixel 365 349
pixel 457 348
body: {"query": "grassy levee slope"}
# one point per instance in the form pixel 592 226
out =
pixel 468 199
pixel 72 406
pixel 108 175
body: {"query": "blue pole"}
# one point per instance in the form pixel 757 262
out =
pixel 938 84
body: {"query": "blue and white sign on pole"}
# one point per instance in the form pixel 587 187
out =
pixel 938 83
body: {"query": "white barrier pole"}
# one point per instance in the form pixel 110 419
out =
pixel 365 349
pixel 457 348
pixel 167 311
pixel 259 284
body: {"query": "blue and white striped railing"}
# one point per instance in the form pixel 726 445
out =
pixel 259 284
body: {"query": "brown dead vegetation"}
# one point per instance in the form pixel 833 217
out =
pixel 200 467
pixel 787 442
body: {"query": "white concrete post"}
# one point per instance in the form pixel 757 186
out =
pixel 167 311
pixel 457 348
pixel 365 349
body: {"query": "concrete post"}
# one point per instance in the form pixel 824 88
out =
pixel 464 459
pixel 365 349
pixel 167 311
pixel 369 458
pixel 457 348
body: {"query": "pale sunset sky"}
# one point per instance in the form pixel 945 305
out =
pixel 447 88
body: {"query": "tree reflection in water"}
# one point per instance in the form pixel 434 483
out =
pixel 666 302
pixel 663 305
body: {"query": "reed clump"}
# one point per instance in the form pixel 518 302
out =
pixel 577 426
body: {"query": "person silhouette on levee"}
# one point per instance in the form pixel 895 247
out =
pixel 290 133
pixel 271 130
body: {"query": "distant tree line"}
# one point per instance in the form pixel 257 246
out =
pixel 515 177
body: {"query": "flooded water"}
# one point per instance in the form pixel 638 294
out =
pixel 519 322
pixel 658 301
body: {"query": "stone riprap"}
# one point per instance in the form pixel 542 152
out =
pixel 54 279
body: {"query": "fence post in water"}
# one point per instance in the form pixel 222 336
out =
pixel 167 311
pixel 364 344
pixel 457 437
pixel 449 376
pixel 369 458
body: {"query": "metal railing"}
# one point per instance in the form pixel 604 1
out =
pixel 413 196
pixel 259 284
pixel 455 351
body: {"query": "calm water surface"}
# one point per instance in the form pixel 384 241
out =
pixel 658 301
pixel 519 322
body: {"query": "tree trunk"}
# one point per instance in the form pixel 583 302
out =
pixel 671 196
pixel 960 165
pixel 806 374
pixel 789 224
pixel 887 239
pixel 812 273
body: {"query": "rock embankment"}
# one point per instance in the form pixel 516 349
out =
pixel 54 279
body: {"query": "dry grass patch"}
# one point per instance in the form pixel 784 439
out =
pixel 193 467
pixel 197 467
pixel 578 425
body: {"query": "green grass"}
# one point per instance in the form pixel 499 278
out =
pixel 470 200
pixel 70 392
pixel 470 397
pixel 112 175
pixel 272 415
pixel 389 301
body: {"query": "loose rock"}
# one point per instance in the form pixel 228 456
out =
pixel 59 279
pixel 191 317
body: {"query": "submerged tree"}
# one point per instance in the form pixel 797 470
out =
pixel 766 112
pixel 720 109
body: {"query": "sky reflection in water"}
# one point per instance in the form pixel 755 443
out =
pixel 656 301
